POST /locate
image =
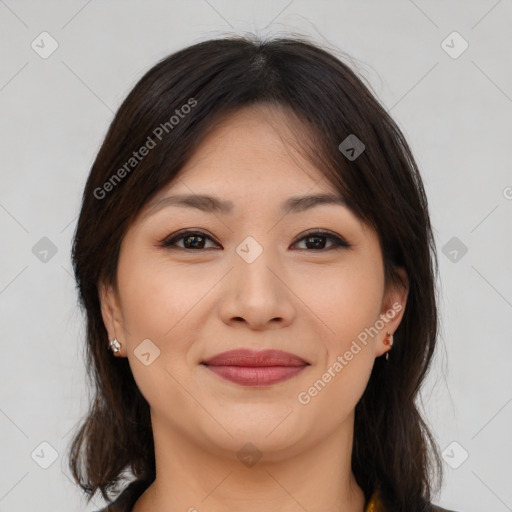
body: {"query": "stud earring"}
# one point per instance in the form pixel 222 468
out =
pixel 115 346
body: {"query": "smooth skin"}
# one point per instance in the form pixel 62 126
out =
pixel 200 297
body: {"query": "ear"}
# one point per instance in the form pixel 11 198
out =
pixel 393 308
pixel 111 313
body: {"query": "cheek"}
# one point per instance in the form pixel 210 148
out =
pixel 348 303
pixel 148 305
pixel 345 298
pixel 349 358
pixel 156 305
pixel 155 295
pixel 333 393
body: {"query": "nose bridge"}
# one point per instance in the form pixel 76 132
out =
pixel 253 262
pixel 256 293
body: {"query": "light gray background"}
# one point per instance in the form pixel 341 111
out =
pixel 455 112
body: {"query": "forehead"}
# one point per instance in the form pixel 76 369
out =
pixel 250 162
pixel 255 148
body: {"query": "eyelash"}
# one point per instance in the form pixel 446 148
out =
pixel 339 242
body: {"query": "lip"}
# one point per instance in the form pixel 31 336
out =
pixel 255 368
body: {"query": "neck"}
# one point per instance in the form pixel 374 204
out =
pixel 192 478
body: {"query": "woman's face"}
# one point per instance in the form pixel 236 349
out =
pixel 253 276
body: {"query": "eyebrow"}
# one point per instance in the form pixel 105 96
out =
pixel 213 204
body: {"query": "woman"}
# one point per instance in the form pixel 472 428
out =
pixel 254 239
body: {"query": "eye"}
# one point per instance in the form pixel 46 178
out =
pixel 315 240
pixel 192 240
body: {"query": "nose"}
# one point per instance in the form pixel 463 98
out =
pixel 257 294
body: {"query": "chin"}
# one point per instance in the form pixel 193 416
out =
pixel 269 434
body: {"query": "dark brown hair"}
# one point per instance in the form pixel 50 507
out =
pixel 393 447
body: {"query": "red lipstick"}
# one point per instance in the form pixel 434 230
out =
pixel 256 368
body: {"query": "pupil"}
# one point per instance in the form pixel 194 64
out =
pixel 315 238
pixel 194 243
